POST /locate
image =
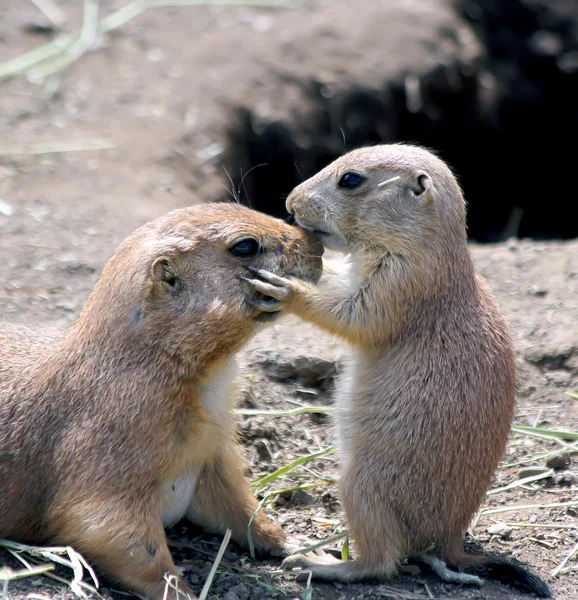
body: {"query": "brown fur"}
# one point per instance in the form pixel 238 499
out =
pixel 97 420
pixel 425 407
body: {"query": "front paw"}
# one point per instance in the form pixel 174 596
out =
pixel 271 285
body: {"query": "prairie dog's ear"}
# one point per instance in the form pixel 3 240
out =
pixel 419 183
pixel 164 273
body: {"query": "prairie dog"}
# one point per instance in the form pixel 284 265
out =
pixel 426 403
pixel 121 423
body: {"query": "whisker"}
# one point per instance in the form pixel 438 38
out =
pixel 242 183
pixel 232 190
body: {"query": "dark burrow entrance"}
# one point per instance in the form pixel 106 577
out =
pixel 508 129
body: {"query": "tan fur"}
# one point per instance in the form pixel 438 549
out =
pixel 99 422
pixel 426 404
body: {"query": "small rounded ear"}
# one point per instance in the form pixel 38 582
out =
pixel 163 272
pixel 419 182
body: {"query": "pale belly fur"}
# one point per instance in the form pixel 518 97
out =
pixel 176 495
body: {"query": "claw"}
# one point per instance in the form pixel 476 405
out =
pixel 266 305
pixel 268 276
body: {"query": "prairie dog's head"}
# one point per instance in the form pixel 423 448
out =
pixel 178 277
pixel 389 197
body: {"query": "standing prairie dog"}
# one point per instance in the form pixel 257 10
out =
pixel 122 423
pixel 426 403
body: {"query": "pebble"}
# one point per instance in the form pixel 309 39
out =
pixel 558 461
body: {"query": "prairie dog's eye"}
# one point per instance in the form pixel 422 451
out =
pixel 246 248
pixel 351 180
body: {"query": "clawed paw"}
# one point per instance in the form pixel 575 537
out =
pixel 309 559
pixel 271 285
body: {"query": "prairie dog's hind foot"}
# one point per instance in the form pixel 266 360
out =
pixel 325 567
pixel 440 568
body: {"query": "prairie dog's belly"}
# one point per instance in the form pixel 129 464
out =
pixel 176 494
pixel 344 401
pixel 176 497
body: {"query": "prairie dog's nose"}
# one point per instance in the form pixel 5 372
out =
pixel 289 203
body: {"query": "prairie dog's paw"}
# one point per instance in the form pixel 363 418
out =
pixel 309 559
pixel 272 285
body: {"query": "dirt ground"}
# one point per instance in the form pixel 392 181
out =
pixel 63 213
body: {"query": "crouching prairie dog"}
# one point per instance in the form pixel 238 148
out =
pixel 425 405
pixel 121 423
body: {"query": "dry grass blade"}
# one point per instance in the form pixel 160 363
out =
pixel 559 568
pixel 495 511
pixel 520 482
pixel 75 562
pixel 56 147
pixel 51 11
pixel 333 538
pixel 209 581
pixel 39 58
pixel 542 525
pixel 77 48
pixel 286 413
pixel 7 574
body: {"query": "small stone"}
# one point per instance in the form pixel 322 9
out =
pixel 230 596
pixel 302 497
pixel 501 529
pixel 5 208
pixel 531 471
pixel 546 43
pixel 566 479
pixel 280 501
pixel 558 461
pixel 263 451
pixel 240 591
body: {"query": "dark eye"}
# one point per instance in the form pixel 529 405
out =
pixel 247 248
pixel 351 180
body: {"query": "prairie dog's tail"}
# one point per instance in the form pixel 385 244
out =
pixel 500 569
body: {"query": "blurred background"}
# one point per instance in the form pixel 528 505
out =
pixel 147 104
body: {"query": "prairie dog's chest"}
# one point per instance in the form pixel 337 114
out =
pixel 216 397
pixel 216 394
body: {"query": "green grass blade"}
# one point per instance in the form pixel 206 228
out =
pixel 552 433
pixel 267 479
